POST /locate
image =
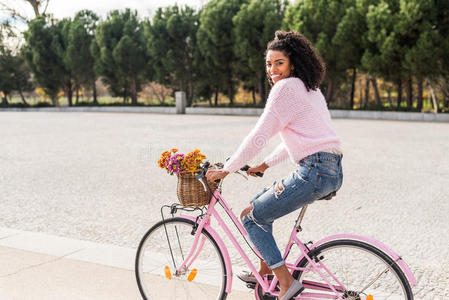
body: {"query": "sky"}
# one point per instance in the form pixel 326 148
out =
pixel 68 8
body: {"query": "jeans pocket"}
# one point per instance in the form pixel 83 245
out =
pixel 303 172
pixel 329 168
pixel 326 184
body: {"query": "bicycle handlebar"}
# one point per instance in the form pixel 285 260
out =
pixel 246 167
pixel 206 166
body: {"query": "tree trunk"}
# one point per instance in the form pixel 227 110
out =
pixel 190 93
pixel 77 94
pixel 94 92
pixel 376 92
pixel 125 94
pixel 23 98
pixel 409 91
pixel 399 100
pixel 216 96
pixel 210 100
pixel 230 92
pixel 419 105
pixel 354 76
pixel 133 91
pixel 434 98
pixel 253 94
pixel 367 81
pixel 330 91
pixel 69 93
pixel 262 89
pixel 360 95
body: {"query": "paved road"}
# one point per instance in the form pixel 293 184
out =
pixel 93 176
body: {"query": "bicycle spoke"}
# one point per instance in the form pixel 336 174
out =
pixel 166 245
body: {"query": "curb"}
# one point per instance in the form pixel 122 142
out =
pixel 335 113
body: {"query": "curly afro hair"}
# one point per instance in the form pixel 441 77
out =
pixel 307 63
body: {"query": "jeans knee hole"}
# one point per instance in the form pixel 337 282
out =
pixel 279 189
pixel 246 212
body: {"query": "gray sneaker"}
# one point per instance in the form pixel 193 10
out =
pixel 294 290
pixel 247 277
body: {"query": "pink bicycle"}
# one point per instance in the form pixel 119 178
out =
pixel 183 257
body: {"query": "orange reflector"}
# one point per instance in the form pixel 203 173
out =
pixel 167 272
pixel 192 274
pixel 369 297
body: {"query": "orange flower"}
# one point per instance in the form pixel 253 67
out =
pixel 192 160
pixel 163 159
pixel 189 163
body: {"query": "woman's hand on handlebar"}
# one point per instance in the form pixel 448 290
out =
pixel 216 174
pixel 257 169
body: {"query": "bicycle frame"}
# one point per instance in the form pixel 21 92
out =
pixel 318 267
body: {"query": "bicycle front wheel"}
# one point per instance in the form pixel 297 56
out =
pixel 365 272
pixel 162 251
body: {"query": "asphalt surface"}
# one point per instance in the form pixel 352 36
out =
pixel 93 176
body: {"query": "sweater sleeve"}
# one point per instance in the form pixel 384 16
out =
pixel 266 127
pixel 278 155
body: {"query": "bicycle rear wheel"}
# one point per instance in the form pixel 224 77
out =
pixel 363 270
pixel 163 249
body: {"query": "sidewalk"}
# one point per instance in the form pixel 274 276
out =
pixel 38 266
pixel 30 275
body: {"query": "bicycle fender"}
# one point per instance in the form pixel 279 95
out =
pixel 402 264
pixel 223 249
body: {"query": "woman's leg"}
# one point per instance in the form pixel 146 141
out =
pixel 263 240
pixel 264 269
pixel 285 279
pixel 285 196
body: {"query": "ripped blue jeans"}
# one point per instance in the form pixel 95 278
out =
pixel 317 176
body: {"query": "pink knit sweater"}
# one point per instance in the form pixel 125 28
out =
pixel 302 119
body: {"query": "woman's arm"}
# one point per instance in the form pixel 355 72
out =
pixel 269 124
pixel 278 155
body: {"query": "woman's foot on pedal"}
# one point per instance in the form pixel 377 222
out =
pixel 247 277
pixel 294 290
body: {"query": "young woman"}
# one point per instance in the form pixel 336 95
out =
pixel 297 110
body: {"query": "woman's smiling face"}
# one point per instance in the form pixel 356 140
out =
pixel 277 65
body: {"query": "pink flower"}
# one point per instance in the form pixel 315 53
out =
pixel 174 164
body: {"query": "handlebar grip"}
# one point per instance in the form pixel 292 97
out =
pixel 246 168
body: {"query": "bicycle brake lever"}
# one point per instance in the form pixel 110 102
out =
pixel 202 182
pixel 246 168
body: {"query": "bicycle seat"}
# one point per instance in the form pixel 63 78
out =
pixel 328 197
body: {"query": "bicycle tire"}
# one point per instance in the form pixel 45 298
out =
pixel 149 256
pixel 320 253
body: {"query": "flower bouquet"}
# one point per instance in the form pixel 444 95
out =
pixel 190 191
pixel 175 163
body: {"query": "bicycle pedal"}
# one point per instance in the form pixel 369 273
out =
pixel 268 296
pixel 251 286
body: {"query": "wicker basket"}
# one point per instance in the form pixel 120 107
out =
pixel 191 192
